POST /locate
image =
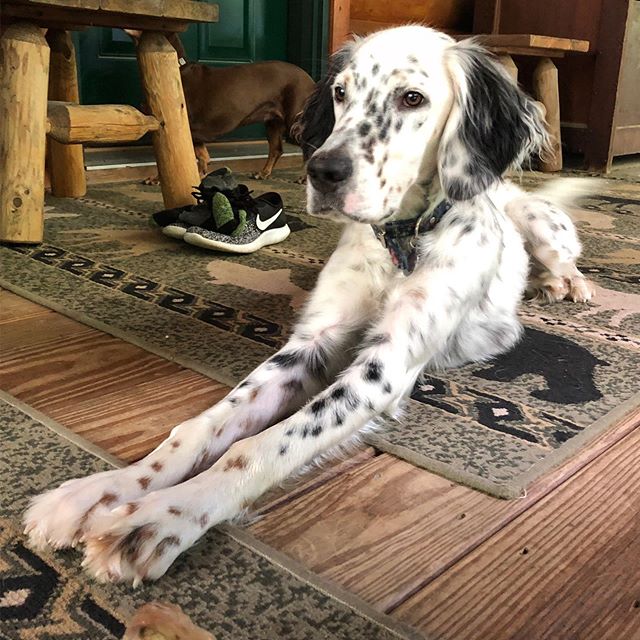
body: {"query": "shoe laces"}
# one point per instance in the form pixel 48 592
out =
pixel 203 195
pixel 240 198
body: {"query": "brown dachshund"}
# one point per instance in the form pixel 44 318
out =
pixel 220 100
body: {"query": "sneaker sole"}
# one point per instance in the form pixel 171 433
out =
pixel 174 232
pixel 270 236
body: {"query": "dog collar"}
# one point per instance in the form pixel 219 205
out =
pixel 399 237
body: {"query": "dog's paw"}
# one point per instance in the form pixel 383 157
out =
pixel 548 290
pixel 152 181
pixel 260 175
pixel 581 289
pixel 59 518
pixel 140 540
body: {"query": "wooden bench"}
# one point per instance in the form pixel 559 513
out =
pixel 36 68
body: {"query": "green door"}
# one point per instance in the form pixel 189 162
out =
pixel 248 31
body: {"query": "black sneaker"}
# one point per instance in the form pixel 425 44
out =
pixel 175 222
pixel 258 222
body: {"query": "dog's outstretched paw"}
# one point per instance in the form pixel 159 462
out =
pixel 60 517
pixel 139 540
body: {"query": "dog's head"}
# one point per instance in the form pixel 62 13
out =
pixel 405 110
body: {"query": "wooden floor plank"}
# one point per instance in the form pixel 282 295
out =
pixel 387 528
pixel 568 569
pixel 115 394
pixel 14 308
pixel 382 529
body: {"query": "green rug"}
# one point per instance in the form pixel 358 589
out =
pixel 495 427
pixel 230 584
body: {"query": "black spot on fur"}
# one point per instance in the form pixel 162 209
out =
pixel 383 134
pixel 387 387
pixel 375 69
pixel 339 419
pixel 284 449
pixel 245 383
pixel 346 395
pixel 318 406
pixel 364 128
pixel 316 431
pixel 338 393
pixel 373 371
pixel 286 360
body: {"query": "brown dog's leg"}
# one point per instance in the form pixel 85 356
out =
pixel 275 133
pixel 203 158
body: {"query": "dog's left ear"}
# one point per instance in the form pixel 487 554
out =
pixel 493 125
pixel 315 123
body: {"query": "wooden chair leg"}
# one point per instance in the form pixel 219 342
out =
pixel 507 62
pixel 159 69
pixel 545 88
pixel 23 114
pixel 66 161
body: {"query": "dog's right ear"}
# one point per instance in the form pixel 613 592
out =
pixel 315 123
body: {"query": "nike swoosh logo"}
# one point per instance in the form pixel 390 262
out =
pixel 263 225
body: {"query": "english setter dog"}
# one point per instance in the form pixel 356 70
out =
pixel 408 137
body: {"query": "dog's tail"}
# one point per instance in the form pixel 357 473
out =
pixel 566 191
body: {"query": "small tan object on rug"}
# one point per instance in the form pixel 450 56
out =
pixel 161 621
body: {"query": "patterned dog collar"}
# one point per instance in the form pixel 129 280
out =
pixel 399 238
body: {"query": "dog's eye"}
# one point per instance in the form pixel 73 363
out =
pixel 412 99
pixel 339 93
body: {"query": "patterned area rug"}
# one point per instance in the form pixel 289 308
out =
pixel 230 584
pixel 495 427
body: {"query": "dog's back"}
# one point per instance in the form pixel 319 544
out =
pixel 222 99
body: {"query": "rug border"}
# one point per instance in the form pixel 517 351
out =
pixel 512 489
pixel 242 536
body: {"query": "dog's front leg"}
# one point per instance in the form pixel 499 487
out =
pixel 340 304
pixel 142 542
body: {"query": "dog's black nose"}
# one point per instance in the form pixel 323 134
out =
pixel 327 171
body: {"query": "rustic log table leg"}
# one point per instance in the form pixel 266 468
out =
pixel 545 88
pixel 160 72
pixel 23 117
pixel 66 161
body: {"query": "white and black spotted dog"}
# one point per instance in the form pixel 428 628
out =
pixel 410 133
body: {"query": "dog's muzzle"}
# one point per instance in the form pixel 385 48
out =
pixel 330 170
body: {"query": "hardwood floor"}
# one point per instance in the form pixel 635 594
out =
pixel 561 563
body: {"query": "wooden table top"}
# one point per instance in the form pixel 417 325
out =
pixel 163 15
